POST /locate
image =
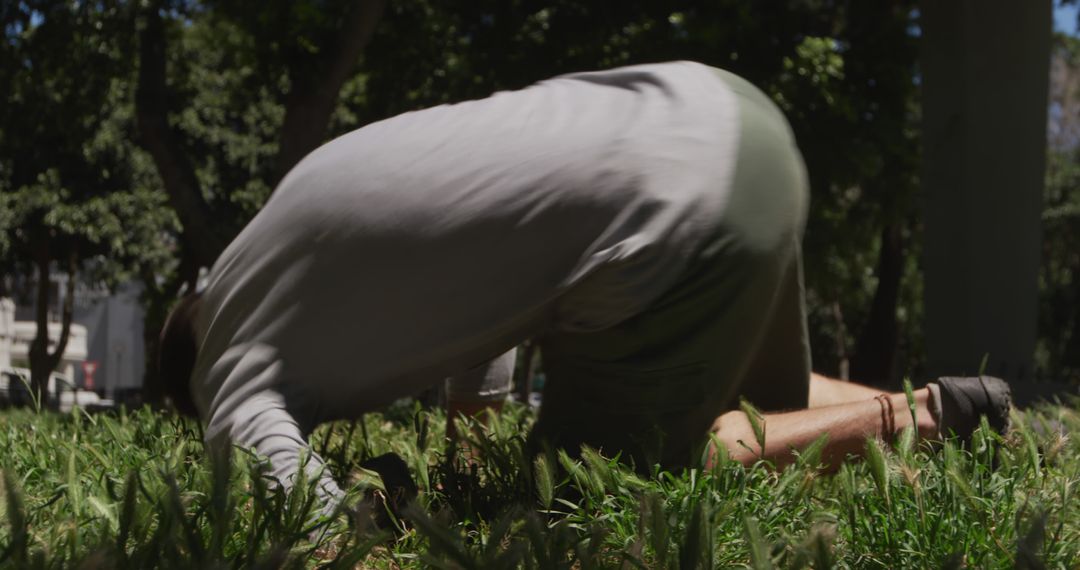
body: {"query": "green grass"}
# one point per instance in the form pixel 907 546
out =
pixel 135 490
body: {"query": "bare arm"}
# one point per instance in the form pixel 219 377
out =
pixel 826 391
pixel 848 425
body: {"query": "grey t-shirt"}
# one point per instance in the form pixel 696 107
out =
pixel 423 245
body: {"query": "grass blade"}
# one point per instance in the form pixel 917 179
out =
pixel 16 515
pixel 757 424
pixel 127 513
pixel 759 550
pixel 879 468
pixel 545 486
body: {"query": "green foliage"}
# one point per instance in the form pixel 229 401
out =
pixel 136 490
pixel 74 191
pixel 229 113
pixel 843 72
pixel 72 182
pixel 1058 353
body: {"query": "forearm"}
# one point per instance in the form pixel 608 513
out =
pixel 247 409
pixel 828 392
pixel 847 425
pixel 264 426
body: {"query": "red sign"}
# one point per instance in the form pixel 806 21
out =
pixel 88 368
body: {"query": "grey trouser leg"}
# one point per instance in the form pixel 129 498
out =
pixel 489 382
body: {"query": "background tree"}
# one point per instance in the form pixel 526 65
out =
pixel 231 94
pixel 69 197
pixel 223 97
pixel 842 71
pixel 1058 354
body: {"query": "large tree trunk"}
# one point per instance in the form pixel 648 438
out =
pixel 312 98
pixel 875 349
pixel 199 233
pixel 985 71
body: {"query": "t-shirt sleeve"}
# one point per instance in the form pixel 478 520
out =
pixel 265 425
pixel 488 382
pixel 250 412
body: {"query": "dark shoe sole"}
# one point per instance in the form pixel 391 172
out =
pixel 965 399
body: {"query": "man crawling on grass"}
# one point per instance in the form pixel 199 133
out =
pixel 642 224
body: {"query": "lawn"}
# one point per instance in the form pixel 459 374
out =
pixel 135 490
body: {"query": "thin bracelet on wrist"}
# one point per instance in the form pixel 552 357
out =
pixel 888 418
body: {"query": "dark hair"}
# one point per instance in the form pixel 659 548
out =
pixel 176 353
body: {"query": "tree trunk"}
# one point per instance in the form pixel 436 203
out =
pixel 984 169
pixel 524 380
pixel 39 347
pixel 66 313
pixel 875 350
pixel 311 101
pixel 199 233
pixel 42 361
pixel 156 304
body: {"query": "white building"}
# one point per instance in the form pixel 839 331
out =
pixel 107 330
pixel 16 336
pixel 115 339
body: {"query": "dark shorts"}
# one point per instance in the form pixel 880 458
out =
pixel 733 327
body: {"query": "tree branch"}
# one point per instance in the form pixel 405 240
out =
pixel 66 313
pixel 875 350
pixel 309 105
pixel 157 137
